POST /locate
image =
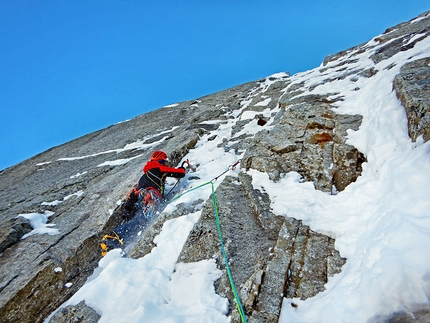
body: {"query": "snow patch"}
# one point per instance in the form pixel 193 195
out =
pixel 38 223
pixel 154 288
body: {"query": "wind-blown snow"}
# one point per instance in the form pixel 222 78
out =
pixel 381 222
pixel 140 144
pixel 264 103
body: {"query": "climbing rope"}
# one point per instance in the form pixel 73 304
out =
pixel 213 180
pixel 218 224
pixel 227 267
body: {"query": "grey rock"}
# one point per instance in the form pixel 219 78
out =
pixel 309 139
pixel 400 38
pixel 396 39
pixel 412 87
pixel 416 314
pixel 79 313
pixel 271 256
pixel 13 231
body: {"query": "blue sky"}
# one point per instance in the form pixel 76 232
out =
pixel 68 68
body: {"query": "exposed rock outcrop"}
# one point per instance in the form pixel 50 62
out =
pixel 412 86
pixel 308 139
pixel 270 256
pixel 78 313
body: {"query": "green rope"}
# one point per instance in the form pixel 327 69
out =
pixel 187 191
pixel 218 224
pixel 227 267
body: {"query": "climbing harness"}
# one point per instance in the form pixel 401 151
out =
pixel 148 198
pixel 218 225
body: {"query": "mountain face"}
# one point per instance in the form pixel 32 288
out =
pixel 276 125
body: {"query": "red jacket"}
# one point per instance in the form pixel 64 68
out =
pixel 155 175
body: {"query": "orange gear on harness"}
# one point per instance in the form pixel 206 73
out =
pixel 149 197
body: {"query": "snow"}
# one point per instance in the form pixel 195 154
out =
pixel 140 144
pixel 172 105
pixel 41 164
pixel 153 288
pixel 264 103
pixel 38 223
pixel 117 162
pixel 56 202
pixel 381 222
pixel 78 175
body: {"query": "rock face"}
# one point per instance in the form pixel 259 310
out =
pixel 412 86
pixel 42 271
pixel 79 313
pixel 270 255
pixel 309 139
pixel 84 181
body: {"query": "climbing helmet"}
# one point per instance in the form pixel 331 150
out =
pixel 159 155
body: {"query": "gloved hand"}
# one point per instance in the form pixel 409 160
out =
pixel 185 162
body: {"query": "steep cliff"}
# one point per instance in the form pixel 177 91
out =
pixel 279 125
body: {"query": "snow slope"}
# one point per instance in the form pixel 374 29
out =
pixel 381 222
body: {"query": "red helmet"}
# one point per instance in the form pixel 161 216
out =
pixel 158 154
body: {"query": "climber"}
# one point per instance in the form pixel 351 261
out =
pixel 150 188
pixel 147 193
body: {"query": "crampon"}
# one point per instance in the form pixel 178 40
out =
pixel 109 242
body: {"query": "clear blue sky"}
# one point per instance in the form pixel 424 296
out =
pixel 68 68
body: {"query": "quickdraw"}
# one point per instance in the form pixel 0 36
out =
pixel 186 162
pixel 232 167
